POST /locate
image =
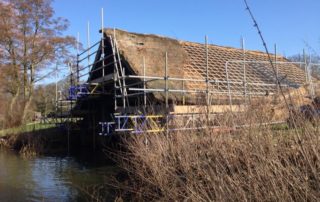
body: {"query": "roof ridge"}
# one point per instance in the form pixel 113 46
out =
pixel 228 48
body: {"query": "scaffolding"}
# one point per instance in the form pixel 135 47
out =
pixel 243 80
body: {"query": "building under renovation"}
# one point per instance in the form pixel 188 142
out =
pixel 139 83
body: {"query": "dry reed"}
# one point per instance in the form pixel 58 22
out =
pixel 254 163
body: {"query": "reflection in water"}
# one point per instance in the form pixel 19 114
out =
pixel 48 178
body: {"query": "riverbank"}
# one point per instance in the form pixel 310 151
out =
pixel 256 163
pixel 90 180
pixel 38 139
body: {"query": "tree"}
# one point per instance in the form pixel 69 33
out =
pixel 31 39
pixel 313 58
pixel 44 98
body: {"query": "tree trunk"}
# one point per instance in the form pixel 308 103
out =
pixel 11 118
pixel 30 95
pixel 25 82
pixel 27 109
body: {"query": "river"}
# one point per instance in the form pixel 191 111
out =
pixel 50 178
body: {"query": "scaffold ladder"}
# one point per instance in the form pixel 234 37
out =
pixel 119 72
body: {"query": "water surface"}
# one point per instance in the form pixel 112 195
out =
pixel 50 178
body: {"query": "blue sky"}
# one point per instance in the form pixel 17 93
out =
pixel 288 23
pixel 292 24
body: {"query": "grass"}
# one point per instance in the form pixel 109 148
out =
pixel 26 128
pixel 29 140
pixel 36 126
pixel 37 138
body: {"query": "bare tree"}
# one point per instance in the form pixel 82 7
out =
pixel 313 58
pixel 31 39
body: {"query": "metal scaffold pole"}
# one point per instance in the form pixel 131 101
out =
pixel 116 74
pixel 115 88
pixel 70 116
pixel 207 70
pixel 144 82
pixel 166 80
pixel 277 68
pixel 183 93
pixel 228 85
pixel 56 89
pixel 244 70
pixel 312 92
pixel 243 79
pixel 78 71
pixel 123 90
pixel 88 45
pixel 305 65
pixel 122 71
pixel 207 80
pixel 102 49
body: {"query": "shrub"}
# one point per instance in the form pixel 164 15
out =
pixel 257 163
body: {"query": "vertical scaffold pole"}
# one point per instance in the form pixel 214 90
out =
pixel 166 80
pixel 228 84
pixel 114 80
pixel 183 94
pixel 56 93
pixel 310 78
pixel 115 88
pixel 244 69
pixel 305 65
pixel 207 72
pixel 102 48
pixel 88 45
pixel 144 82
pixel 70 119
pixel 123 90
pixel 78 71
pixel 207 80
pixel 277 69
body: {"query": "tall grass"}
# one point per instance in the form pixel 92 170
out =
pixel 255 163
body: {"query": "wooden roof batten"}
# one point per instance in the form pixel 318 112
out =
pixel 189 60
